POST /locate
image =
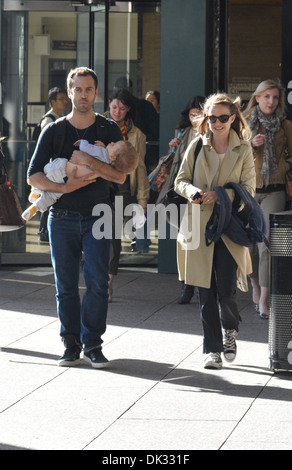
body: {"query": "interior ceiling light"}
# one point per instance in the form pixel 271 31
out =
pixel 84 2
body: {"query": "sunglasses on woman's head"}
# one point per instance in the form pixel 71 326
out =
pixel 223 118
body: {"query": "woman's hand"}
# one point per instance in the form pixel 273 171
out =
pixel 258 140
pixel 209 197
pixel 204 198
pixel 196 198
pixel 174 143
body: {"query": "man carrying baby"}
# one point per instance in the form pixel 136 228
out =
pixel 121 155
pixel 70 224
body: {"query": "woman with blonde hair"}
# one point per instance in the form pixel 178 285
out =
pixel 226 156
pixel 272 147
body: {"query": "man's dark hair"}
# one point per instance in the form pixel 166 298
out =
pixel 53 93
pixel 81 72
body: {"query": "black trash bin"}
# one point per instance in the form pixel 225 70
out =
pixel 280 326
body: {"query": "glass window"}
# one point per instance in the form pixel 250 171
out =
pixel 254 53
pixel 134 45
pixel 43 41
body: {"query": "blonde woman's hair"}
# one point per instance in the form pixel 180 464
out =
pixel 239 124
pixel 260 90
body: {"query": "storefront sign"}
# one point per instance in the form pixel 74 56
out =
pixel 64 45
pixel 243 86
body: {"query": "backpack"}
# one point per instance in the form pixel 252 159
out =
pixel 102 125
pixel 38 128
pixel 245 225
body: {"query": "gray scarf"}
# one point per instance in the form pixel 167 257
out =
pixel 271 126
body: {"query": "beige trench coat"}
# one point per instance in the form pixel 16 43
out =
pixel 195 266
pixel 138 178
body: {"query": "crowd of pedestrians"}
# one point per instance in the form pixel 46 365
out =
pixel 251 148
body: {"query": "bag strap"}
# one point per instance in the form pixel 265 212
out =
pixel 197 151
pixel 59 136
pixel 49 115
pixel 102 127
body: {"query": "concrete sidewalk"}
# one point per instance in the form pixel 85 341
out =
pixel 155 395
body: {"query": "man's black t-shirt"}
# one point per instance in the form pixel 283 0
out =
pixel 84 199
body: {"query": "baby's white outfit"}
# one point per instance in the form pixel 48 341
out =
pixel 55 171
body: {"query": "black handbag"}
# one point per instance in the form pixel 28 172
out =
pixel 10 207
pixel 173 197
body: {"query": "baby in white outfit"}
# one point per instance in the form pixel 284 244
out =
pixel 121 155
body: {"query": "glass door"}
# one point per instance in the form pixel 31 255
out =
pixel 43 41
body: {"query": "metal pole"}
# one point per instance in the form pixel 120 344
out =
pixel 106 53
pixel 91 39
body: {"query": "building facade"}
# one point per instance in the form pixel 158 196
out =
pixel 180 48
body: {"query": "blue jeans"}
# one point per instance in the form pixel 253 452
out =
pixel 70 236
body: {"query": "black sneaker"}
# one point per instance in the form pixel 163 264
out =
pixel 71 356
pixel 229 344
pixel 95 358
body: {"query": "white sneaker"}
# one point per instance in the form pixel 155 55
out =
pixel 229 344
pixel 213 361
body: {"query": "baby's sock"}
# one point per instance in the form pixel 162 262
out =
pixel 33 197
pixel 29 212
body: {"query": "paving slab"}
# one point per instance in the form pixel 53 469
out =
pixel 155 393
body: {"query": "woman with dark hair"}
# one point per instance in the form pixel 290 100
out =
pixel 153 96
pixel 122 111
pixel 192 109
pixel 186 131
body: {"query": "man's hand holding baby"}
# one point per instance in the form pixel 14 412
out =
pixel 75 182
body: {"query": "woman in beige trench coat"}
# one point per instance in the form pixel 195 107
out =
pixel 216 269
